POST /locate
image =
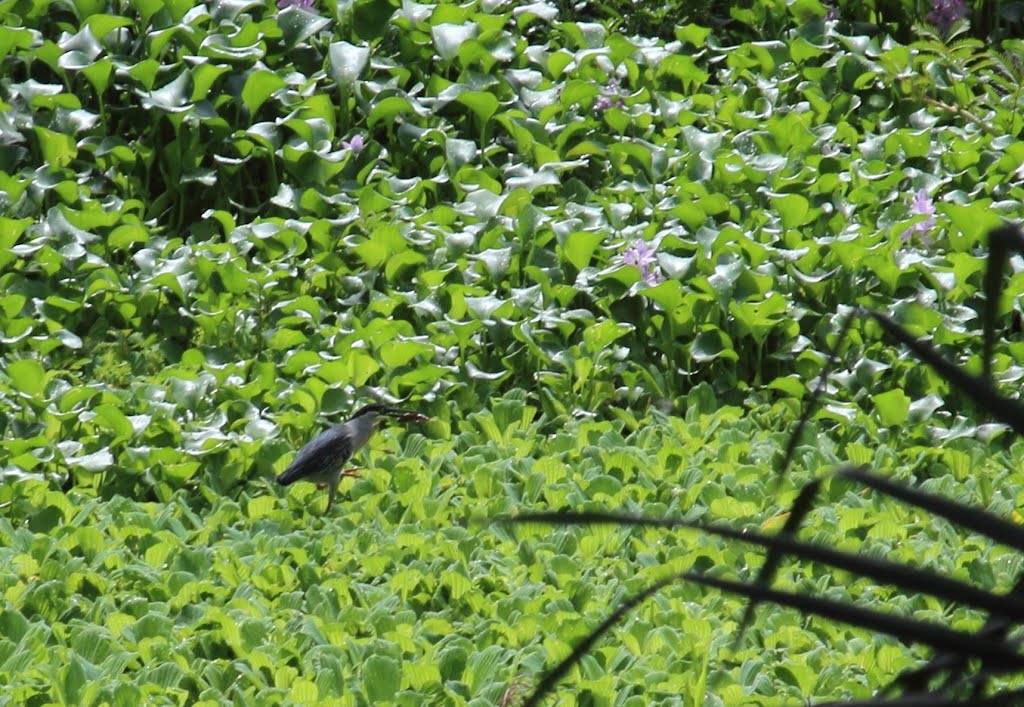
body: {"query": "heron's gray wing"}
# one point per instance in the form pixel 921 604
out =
pixel 327 453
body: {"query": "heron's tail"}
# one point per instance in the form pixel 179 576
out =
pixel 290 475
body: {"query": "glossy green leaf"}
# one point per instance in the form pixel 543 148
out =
pixel 259 86
pixel 347 63
pixel 28 376
pixel 892 406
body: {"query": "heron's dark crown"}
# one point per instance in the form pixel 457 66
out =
pixel 377 408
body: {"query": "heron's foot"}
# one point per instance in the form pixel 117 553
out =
pixel 347 472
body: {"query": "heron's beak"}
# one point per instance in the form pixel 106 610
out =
pixel 405 416
pixel 412 417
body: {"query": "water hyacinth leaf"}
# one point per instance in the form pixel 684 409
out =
pixel 599 336
pixel 971 221
pixel 284 339
pixel 114 420
pixel 58 149
pixel 712 343
pixel 298 25
pixel 403 352
pixel 125 235
pixel 497 261
pixel 449 37
pixel 758 320
pixel 577 92
pixel 793 208
pixel 892 407
pixel 387 110
pixel 524 184
pixel 483 104
pixel 674 266
pixel 102 25
pixel 700 141
pixel 488 307
pixel 259 86
pixel 482 204
pixel 459 152
pixel 174 96
pixel 579 247
pixel 217 46
pixel 347 63
pixel 14 39
pixel 203 78
pixel 145 73
pixel 768 163
pixel 370 18
pixel 684 70
pixel 475 373
pixel 74 61
pixel 360 367
pixel 790 385
pixel 528 219
pixel 28 376
pixel 180 472
pixel 540 10
pixel 399 264
pixel 12 304
pixel 586 35
pixel 668 294
pixel 650 159
pixel 96 461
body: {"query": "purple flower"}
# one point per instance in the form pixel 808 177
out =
pixel 945 13
pixel 356 144
pixel 921 205
pixel 829 149
pixel 832 14
pixel 306 5
pixel 643 256
pixel 609 98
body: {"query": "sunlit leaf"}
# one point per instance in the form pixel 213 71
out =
pixel 347 63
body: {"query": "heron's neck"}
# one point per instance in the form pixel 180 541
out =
pixel 361 429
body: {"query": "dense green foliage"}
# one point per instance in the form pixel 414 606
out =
pixel 223 226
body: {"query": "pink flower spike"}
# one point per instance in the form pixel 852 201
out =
pixel 643 256
pixel 640 254
pixel 922 204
